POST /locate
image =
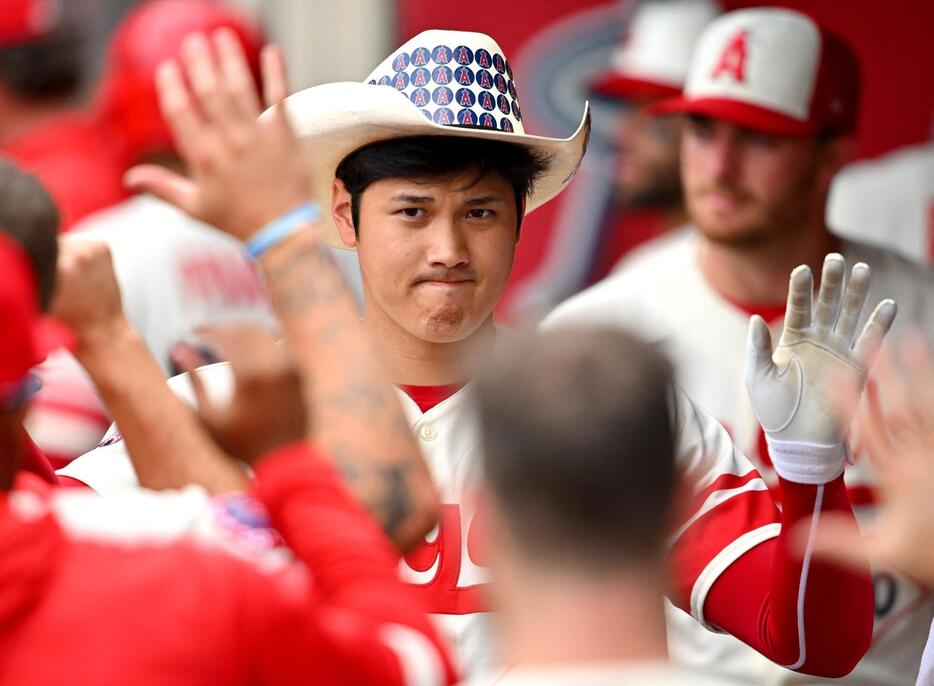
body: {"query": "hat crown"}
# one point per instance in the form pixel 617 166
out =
pixel 766 57
pixel 454 78
pixel 661 38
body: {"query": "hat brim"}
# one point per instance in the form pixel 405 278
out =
pixel 743 114
pixel 615 86
pixel 335 119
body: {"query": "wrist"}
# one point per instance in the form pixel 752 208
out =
pixel 281 228
pixel 807 463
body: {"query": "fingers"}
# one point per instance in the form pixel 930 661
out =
pixel 854 299
pixel 236 73
pixel 164 184
pixel 870 340
pixel 275 83
pixel 798 309
pixel 758 350
pixel 831 291
pixel 178 108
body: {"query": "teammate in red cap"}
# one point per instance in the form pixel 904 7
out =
pixel 41 73
pixel 770 109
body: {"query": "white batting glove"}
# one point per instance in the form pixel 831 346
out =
pixel 794 391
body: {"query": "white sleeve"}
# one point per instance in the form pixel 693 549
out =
pixel 108 469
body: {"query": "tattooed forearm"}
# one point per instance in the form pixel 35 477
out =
pixel 355 413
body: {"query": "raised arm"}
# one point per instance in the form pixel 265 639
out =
pixel 743 572
pixel 248 171
pixel 166 443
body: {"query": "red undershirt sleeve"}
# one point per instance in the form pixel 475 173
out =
pixel 800 612
pixel 362 625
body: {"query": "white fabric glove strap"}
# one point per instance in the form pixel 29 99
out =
pixel 807 463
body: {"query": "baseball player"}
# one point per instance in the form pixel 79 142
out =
pixel 771 105
pixel 649 65
pixel 419 176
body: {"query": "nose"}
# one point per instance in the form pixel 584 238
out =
pixel 448 248
pixel 723 154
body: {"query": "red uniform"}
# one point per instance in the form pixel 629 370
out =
pixel 181 614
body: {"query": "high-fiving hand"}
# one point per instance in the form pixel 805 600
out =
pixel 793 390
pixel 244 171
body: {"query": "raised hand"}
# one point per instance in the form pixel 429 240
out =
pixel 87 296
pixel 244 171
pixel 793 390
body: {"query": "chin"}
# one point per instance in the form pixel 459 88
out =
pixel 447 325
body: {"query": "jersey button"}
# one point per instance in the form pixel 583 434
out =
pixel 428 433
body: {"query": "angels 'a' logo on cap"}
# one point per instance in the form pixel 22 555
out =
pixel 463 54
pixel 503 103
pixel 441 54
pixel 732 60
pixel 487 120
pixel 442 95
pixel 400 81
pixel 420 97
pixel 442 75
pixel 464 76
pixel 443 116
pixel 420 77
pixel 400 62
pixel 420 57
pixel 499 63
pixel 506 125
pixel 484 58
pixel 486 101
pixel 465 97
pixel 500 82
pixel 467 117
pixel 485 79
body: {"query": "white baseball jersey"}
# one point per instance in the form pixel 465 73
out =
pixel 449 566
pixel 176 275
pixel 888 201
pixel 660 293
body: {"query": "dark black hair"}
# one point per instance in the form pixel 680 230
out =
pixel 578 445
pixel 429 157
pixel 28 215
pixel 48 68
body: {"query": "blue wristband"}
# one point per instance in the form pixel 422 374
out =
pixel 281 228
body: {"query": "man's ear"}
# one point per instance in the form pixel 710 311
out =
pixel 342 212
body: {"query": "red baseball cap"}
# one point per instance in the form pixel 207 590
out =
pixel 24 20
pixel 774 71
pixel 26 336
pixel 150 34
pixel 652 59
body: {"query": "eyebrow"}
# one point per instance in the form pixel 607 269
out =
pixel 427 199
pixel 485 200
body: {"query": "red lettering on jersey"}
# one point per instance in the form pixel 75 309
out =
pixel 442 593
pixel 420 98
pixel 733 58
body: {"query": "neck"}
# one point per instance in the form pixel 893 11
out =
pixel 758 273
pixel 17 116
pixel 550 618
pixel 415 361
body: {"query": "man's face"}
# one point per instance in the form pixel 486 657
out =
pixel 743 188
pixel 435 255
pixel 647 172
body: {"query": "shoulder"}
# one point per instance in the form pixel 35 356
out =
pixel 641 274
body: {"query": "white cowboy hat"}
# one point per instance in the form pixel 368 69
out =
pixel 440 83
